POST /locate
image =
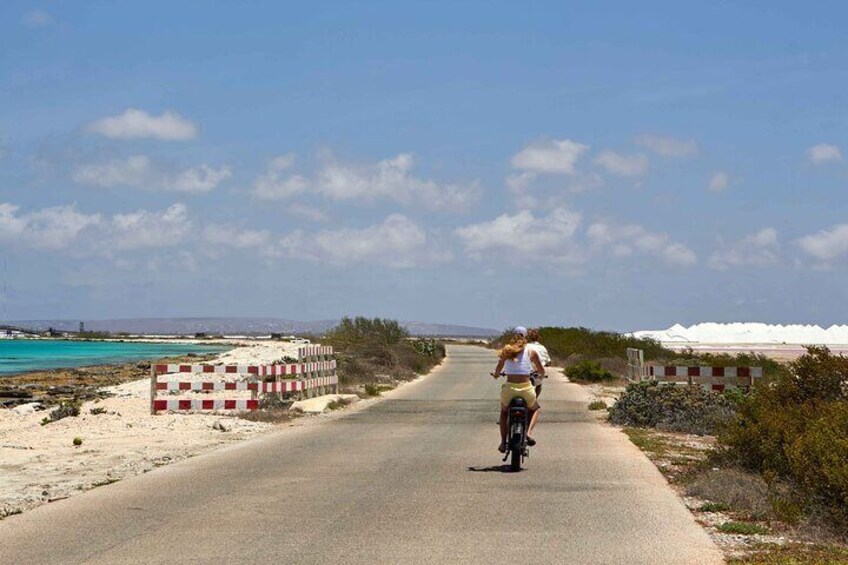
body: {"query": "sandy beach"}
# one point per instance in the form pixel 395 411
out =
pixel 120 438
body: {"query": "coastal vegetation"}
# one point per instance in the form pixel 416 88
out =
pixel 686 409
pixel 588 372
pixel 774 458
pixel 780 453
pixel 573 345
pixel 376 351
pixel 569 346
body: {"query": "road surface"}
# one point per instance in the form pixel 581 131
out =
pixel 415 478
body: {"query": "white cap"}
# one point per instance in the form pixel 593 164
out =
pixel 520 330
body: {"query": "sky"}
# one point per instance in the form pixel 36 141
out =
pixel 615 165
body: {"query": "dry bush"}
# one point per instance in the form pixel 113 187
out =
pixel 589 344
pixel 588 372
pixel 794 428
pixel 378 350
pixel 675 408
pixel 615 365
pixel 738 489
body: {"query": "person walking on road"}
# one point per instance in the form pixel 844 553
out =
pixel 518 361
pixel 534 345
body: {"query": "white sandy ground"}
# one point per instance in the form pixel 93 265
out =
pixel 39 463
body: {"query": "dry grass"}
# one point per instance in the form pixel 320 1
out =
pixel 677 456
pixel 742 528
pixel 728 500
pixel 741 491
pixel 597 405
pixel 794 554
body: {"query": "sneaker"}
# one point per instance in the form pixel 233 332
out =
pixel 530 441
pixel 502 448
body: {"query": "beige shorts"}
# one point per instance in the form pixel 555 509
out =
pixel 521 390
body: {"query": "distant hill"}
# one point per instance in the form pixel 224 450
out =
pixel 234 326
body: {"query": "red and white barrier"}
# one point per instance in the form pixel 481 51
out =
pixel 717 379
pixel 258 370
pixel 314 351
pixel 685 371
pixel 255 386
pixel 310 372
pixel 184 404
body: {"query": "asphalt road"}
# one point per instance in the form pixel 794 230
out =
pixel 415 478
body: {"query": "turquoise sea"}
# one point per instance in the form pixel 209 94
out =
pixel 21 355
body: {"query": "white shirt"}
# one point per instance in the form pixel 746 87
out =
pixel 521 365
pixel 541 351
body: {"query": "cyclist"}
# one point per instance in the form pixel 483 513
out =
pixel 518 361
pixel 534 345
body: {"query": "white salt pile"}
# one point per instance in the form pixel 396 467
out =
pixel 750 332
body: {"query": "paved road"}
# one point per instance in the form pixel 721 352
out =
pixel 413 479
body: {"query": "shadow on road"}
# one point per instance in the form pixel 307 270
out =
pixel 492 469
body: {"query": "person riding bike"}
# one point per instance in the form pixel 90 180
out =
pixel 534 345
pixel 518 361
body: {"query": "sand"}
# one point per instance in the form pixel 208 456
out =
pixel 39 464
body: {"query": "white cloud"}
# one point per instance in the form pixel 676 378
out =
pixel 139 171
pixel 625 240
pixel 63 227
pixel 585 182
pixel 389 178
pixel 826 245
pixel 520 182
pixel 668 146
pixel 522 237
pixel 310 213
pixel 144 229
pixel 758 250
pixel 824 152
pixel 555 156
pixel 719 181
pixel 397 242
pixel 228 236
pixel 37 18
pixel 49 228
pixel 622 165
pixel 273 185
pixel 137 124
pixel 519 185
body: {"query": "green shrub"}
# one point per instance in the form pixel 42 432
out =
pixel 794 428
pixel 77 441
pixel 565 343
pixel 372 390
pixel 372 350
pixel 818 458
pixel 714 507
pixel 588 371
pixel 363 331
pixel 742 528
pixel 677 408
pixel 428 347
pixel 66 408
pixel 597 405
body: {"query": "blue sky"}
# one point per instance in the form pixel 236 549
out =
pixel 609 164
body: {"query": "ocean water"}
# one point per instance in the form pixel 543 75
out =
pixel 21 355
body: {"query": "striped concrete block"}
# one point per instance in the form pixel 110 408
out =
pixel 185 405
pixel 259 370
pixel 314 350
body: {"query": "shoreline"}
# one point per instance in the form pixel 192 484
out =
pixel 114 436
